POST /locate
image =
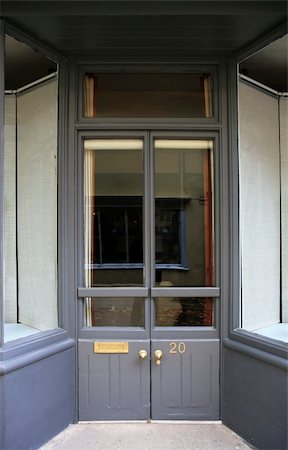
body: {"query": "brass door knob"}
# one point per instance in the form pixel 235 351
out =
pixel 143 354
pixel 158 356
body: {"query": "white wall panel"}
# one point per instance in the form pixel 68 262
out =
pixel 10 281
pixel 37 206
pixel 283 108
pixel 260 207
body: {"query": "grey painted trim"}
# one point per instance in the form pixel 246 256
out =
pixel 65 248
pixel 246 52
pixel 30 358
pixel 113 292
pixel 260 342
pixel 2 88
pixel 186 292
pixel 147 124
pixel 234 257
pixel 33 43
pixel 14 349
pixel 185 333
pixel 70 228
pixel 223 238
pixel 255 353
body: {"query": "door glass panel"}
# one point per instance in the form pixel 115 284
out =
pixel 114 312
pixel 113 203
pixel 185 311
pixel 148 95
pixel 184 213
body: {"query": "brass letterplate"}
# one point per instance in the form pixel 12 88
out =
pixel 111 347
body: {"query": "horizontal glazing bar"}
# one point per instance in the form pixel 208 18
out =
pixel 185 292
pixel 113 292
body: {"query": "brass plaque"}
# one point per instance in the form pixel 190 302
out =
pixel 111 347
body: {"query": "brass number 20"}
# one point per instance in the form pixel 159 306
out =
pixel 177 347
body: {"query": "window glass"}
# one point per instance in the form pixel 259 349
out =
pixel 30 192
pixel 184 212
pixel 114 312
pixel 147 95
pixel 185 311
pixel 113 203
pixel 263 164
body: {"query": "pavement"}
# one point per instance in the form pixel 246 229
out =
pixel 147 436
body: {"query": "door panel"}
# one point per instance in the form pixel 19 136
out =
pixel 185 386
pixel 148 276
pixel 114 386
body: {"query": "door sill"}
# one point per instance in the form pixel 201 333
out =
pixel 171 422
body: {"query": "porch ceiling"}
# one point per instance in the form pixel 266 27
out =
pixel 145 29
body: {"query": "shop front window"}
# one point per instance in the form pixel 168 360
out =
pixel 30 192
pixel 263 164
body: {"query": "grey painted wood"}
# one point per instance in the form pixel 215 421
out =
pixel 186 292
pixel 113 292
pixel 255 400
pixel 37 401
pixel 185 386
pixel 114 386
pixel 100 376
pixel 2 87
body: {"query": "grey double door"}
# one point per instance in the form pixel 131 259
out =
pixel 148 296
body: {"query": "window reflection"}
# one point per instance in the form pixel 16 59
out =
pixel 113 217
pixel 114 312
pixel 184 312
pixel 184 236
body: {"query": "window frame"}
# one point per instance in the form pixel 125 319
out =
pixel 239 339
pixel 58 336
pixel 139 68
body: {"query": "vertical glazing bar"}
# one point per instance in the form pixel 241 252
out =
pixel 152 209
pixel 147 229
pixel 88 233
pixel 152 227
pixel 147 214
pixel 2 88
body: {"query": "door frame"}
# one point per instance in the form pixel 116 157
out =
pixel 147 291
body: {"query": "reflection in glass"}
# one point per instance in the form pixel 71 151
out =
pixel 113 202
pixel 184 212
pixel 184 312
pixel 114 312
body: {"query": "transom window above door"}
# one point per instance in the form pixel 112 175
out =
pixel 148 95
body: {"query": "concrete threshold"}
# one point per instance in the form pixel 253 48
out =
pixel 164 435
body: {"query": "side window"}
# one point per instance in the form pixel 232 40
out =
pixel 30 192
pixel 263 168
